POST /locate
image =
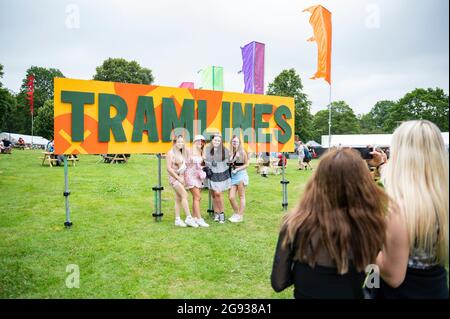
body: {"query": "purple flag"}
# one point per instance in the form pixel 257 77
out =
pixel 253 67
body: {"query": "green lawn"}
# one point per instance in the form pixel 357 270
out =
pixel 119 248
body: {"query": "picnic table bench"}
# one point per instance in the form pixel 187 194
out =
pixel 115 158
pixel 272 167
pixel 20 146
pixel 52 159
pixel 73 159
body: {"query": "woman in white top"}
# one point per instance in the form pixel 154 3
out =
pixel 216 157
pixel 299 151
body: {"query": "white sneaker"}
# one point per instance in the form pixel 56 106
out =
pixel 190 222
pixel 201 222
pixel 179 223
pixel 236 218
pixel 232 217
pixel 216 217
pixel 221 218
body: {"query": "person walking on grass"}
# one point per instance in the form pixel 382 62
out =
pixel 239 179
pixel 176 166
pixel 308 157
pixel 265 159
pixel 301 157
pixel 194 177
pixel 216 158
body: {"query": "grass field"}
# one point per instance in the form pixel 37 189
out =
pixel 119 248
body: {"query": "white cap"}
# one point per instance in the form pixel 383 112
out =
pixel 199 137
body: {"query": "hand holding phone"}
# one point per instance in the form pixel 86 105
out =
pixel 365 152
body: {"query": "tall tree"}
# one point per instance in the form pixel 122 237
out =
pixel 288 83
pixel 374 122
pixel 427 104
pixel 379 114
pixel 121 70
pixel 343 121
pixel 8 105
pixel 366 123
pixel 43 121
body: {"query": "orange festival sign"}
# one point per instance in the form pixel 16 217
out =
pixel 96 117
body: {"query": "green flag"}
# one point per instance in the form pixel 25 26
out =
pixel 212 78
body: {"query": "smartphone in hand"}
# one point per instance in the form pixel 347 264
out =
pixel 365 152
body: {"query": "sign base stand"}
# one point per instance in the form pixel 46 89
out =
pixel 210 208
pixel 66 194
pixel 157 189
pixel 284 183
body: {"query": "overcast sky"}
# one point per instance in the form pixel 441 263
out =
pixel 381 49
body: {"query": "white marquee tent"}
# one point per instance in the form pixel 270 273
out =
pixel 13 137
pixel 362 140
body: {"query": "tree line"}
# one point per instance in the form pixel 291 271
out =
pixel 383 118
pixel 428 104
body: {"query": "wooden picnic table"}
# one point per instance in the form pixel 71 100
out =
pixel 115 158
pixel 52 159
pixel 20 146
pixel 72 158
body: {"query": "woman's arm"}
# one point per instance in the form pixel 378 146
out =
pixel 246 163
pixel 393 259
pixel 281 276
pixel 169 160
pixel 207 156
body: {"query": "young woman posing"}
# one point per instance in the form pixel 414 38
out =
pixel 216 158
pixel 239 179
pixel 176 166
pixel 194 176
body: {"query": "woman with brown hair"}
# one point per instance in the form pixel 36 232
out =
pixel 216 159
pixel 336 230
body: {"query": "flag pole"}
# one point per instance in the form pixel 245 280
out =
pixel 210 209
pixel 253 67
pixel 32 129
pixel 329 118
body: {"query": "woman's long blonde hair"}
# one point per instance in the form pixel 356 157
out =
pixel 239 152
pixel 417 178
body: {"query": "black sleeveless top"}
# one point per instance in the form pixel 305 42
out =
pixel 430 283
pixel 319 282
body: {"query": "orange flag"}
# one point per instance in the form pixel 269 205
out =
pixel 321 22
